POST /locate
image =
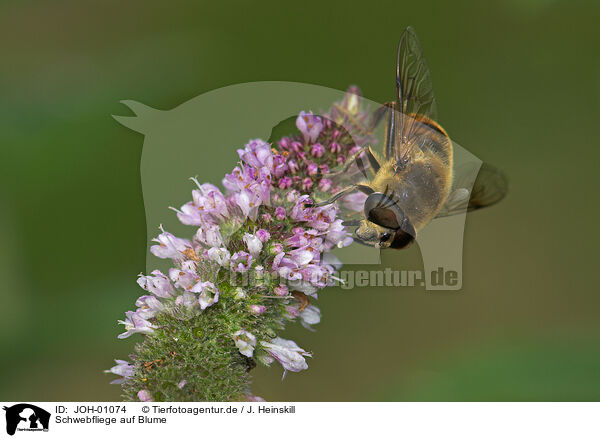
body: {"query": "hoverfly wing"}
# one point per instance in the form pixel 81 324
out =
pixel 379 114
pixel 489 188
pixel 457 202
pixel 414 97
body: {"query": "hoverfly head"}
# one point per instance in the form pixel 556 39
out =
pixel 386 224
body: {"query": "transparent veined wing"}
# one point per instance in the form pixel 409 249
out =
pixel 415 102
pixel 471 193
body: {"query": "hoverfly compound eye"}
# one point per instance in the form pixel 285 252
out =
pixel 383 211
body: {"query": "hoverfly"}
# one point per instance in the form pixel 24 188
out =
pixel 414 181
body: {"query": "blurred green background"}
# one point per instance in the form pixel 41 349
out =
pixel 517 83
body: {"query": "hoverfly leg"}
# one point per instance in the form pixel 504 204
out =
pixel 365 189
pixel 304 300
pixel 375 165
pixel 356 158
pixel 346 165
pixel 378 115
pixel 335 197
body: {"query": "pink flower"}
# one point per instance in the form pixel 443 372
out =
pixel 248 202
pixel 267 218
pixel 257 154
pixel 287 353
pixel 188 299
pixel 275 248
pixel 135 323
pixel 219 255
pixel 338 235
pixel 309 125
pixel 250 188
pixel 281 290
pixel 144 396
pixel 317 150
pixel 263 235
pixel 189 214
pixel 157 283
pixel 296 146
pixel 292 312
pixel 183 279
pixel 206 200
pixel 301 256
pixel 286 267
pixel 235 181
pixel 322 217
pixel 123 369
pixel 309 316
pixel 312 169
pixel 293 166
pixel 279 166
pixel 284 183
pixel 325 185
pixel 169 246
pixel 300 211
pixel 148 306
pixel 209 201
pixel 280 213
pixel 253 243
pixel 284 143
pixel 241 261
pixel 256 309
pixel 302 237
pixel 245 342
pixel 307 184
pixel 209 294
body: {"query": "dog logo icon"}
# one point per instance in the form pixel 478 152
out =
pixel 26 417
